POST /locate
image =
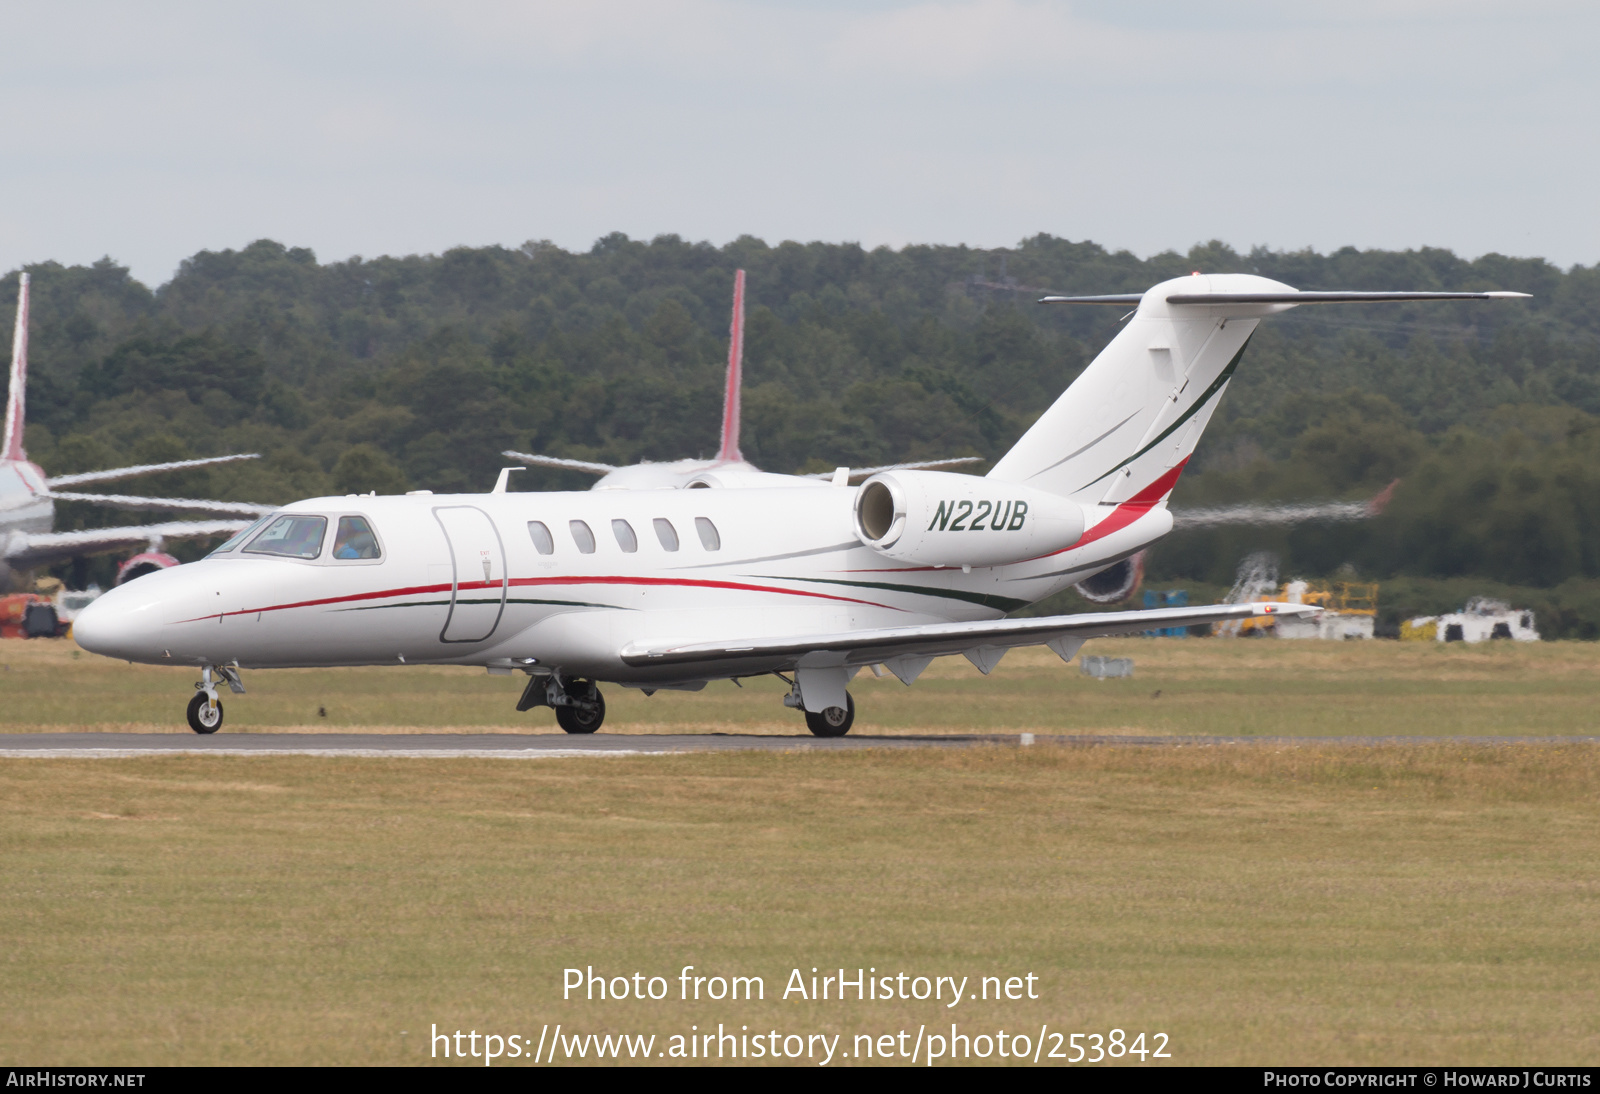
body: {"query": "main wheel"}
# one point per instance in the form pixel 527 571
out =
pixel 203 716
pixel 581 719
pixel 835 721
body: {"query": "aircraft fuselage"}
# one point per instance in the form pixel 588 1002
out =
pixel 461 580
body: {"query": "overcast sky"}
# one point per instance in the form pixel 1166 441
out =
pixel 150 131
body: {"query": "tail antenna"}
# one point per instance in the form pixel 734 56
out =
pixel 16 404
pixel 730 397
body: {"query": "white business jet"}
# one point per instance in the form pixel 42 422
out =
pixel 729 468
pixel 28 497
pixel 673 588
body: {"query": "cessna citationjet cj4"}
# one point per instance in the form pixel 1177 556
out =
pixel 673 588
pixel 27 497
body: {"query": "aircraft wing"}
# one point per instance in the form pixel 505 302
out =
pixel 127 501
pixel 34 549
pixel 116 473
pixel 907 650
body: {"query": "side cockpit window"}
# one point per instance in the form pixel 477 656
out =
pixel 291 535
pixel 354 539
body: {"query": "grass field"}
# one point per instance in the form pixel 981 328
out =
pixel 1189 686
pixel 1303 903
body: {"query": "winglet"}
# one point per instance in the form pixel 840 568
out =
pixel 730 397
pixel 11 449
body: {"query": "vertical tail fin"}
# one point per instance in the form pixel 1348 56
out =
pixel 1122 433
pixel 11 448
pixel 1125 428
pixel 730 396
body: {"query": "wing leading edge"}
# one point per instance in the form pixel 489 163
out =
pixel 35 549
pixel 907 650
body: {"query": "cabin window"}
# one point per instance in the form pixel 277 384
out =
pixel 582 536
pixel 708 534
pixel 240 536
pixel 543 541
pixel 625 537
pixel 666 533
pixel 354 539
pixel 291 535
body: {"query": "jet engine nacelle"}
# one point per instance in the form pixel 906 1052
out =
pixel 936 518
pixel 1116 583
pixel 147 562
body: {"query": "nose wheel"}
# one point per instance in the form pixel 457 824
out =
pixel 205 713
pixel 205 709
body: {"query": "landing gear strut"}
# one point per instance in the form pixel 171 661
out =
pixel 205 709
pixel 578 704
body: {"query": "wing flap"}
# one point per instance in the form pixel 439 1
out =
pixel 905 646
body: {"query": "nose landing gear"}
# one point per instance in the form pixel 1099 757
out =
pixel 205 709
pixel 205 712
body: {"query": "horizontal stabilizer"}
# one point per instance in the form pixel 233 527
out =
pixel 116 473
pixel 919 465
pixel 1121 300
pixel 1132 300
pixel 1334 297
pixel 866 647
pixel 199 505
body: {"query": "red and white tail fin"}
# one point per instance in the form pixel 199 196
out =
pixel 11 449
pixel 730 396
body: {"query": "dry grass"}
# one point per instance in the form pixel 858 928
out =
pixel 1205 686
pixel 1304 904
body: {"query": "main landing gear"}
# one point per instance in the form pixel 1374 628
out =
pixel 579 706
pixel 827 722
pixel 205 709
pixel 833 722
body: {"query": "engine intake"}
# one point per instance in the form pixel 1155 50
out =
pixel 935 518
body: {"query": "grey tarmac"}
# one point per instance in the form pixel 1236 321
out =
pixel 511 746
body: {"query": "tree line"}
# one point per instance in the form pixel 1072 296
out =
pixel 413 372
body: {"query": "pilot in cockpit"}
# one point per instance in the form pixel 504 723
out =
pixel 354 539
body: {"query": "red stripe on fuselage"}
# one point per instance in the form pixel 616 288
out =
pixel 1130 510
pixel 471 586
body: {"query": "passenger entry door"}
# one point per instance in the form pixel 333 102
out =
pixel 478 561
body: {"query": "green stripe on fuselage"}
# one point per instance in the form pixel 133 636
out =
pixel 1216 386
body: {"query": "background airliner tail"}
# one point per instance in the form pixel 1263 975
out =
pixel 16 401
pixel 729 451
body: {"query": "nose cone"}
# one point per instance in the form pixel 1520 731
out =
pixel 127 622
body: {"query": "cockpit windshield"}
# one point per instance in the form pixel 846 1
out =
pixel 290 535
pixel 239 537
pixel 354 539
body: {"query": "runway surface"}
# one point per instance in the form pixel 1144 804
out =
pixel 509 746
